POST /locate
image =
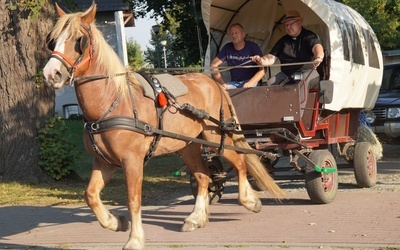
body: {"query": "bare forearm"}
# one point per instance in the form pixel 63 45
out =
pixel 255 79
pixel 218 78
pixel 318 51
pixel 265 60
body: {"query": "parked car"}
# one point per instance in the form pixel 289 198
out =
pixel 384 118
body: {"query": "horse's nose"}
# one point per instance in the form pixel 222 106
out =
pixel 55 80
pixel 57 76
pixel 48 79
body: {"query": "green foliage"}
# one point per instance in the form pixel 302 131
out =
pixel 383 16
pixel 38 78
pixel 32 6
pixel 135 54
pixel 180 26
pixel 57 152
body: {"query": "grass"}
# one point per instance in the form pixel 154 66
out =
pixel 159 182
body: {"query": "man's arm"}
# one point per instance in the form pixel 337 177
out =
pixel 318 52
pixel 215 73
pixel 266 60
pixel 255 79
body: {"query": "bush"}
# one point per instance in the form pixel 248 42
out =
pixel 57 151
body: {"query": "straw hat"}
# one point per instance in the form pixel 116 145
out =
pixel 292 15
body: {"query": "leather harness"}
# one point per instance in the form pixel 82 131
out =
pixel 136 125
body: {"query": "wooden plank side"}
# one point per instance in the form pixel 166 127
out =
pixel 267 104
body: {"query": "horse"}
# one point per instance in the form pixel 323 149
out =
pixel 122 125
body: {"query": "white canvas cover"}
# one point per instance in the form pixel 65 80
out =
pixel 350 44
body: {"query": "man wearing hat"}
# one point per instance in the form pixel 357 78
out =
pixel 298 45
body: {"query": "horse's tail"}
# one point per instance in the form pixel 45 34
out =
pixel 258 170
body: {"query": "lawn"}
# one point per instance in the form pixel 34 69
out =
pixel 159 182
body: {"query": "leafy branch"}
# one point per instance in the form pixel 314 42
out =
pixel 33 7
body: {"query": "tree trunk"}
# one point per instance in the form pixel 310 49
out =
pixel 25 103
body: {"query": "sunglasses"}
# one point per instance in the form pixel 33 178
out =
pixel 290 24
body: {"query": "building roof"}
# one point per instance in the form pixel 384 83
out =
pixel 102 5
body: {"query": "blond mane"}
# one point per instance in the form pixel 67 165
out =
pixel 105 58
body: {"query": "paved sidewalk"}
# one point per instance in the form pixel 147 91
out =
pixel 357 220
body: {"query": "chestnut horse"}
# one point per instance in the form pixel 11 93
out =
pixel 82 56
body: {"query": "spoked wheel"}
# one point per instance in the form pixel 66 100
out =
pixel 321 185
pixel 215 187
pixel 365 166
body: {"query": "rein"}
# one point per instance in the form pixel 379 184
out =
pixel 85 79
pixel 227 68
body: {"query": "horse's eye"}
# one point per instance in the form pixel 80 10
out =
pixel 51 43
pixel 77 45
pixel 82 43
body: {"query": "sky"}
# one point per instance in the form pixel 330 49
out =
pixel 141 32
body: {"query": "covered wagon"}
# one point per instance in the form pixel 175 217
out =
pixel 270 116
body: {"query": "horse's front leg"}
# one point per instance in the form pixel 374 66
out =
pixel 133 170
pixel 191 155
pixel 101 175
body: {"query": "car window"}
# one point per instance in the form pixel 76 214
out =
pixel 391 78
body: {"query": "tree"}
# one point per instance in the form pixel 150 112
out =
pixel 174 58
pixel 383 16
pixel 181 27
pixel 26 103
pixel 135 55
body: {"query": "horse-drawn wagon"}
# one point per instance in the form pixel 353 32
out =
pixel 127 121
pixel 270 116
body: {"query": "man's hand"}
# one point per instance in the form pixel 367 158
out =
pixel 248 84
pixel 266 60
pixel 317 61
pixel 256 59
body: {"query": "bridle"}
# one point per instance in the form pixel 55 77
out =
pixel 84 44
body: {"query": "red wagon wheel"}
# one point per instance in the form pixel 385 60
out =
pixel 365 166
pixel 321 186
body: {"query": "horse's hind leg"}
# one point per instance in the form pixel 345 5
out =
pixel 191 155
pixel 247 196
pixel 101 175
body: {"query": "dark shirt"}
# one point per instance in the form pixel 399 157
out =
pixel 236 57
pixel 294 50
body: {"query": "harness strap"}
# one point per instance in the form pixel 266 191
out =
pixel 126 123
pixel 120 122
pixel 58 55
pixel 95 147
pixel 228 125
pixel 157 88
pixel 135 125
pixel 112 107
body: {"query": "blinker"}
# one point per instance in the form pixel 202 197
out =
pixel 51 43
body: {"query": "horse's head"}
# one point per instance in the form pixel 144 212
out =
pixel 71 44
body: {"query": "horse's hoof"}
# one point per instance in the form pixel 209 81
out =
pixel 254 207
pixel 123 223
pixel 257 207
pixel 133 246
pixel 189 227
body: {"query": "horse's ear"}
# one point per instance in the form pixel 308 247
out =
pixel 90 14
pixel 60 12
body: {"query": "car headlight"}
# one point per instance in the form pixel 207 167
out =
pixel 393 113
pixel 370 117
